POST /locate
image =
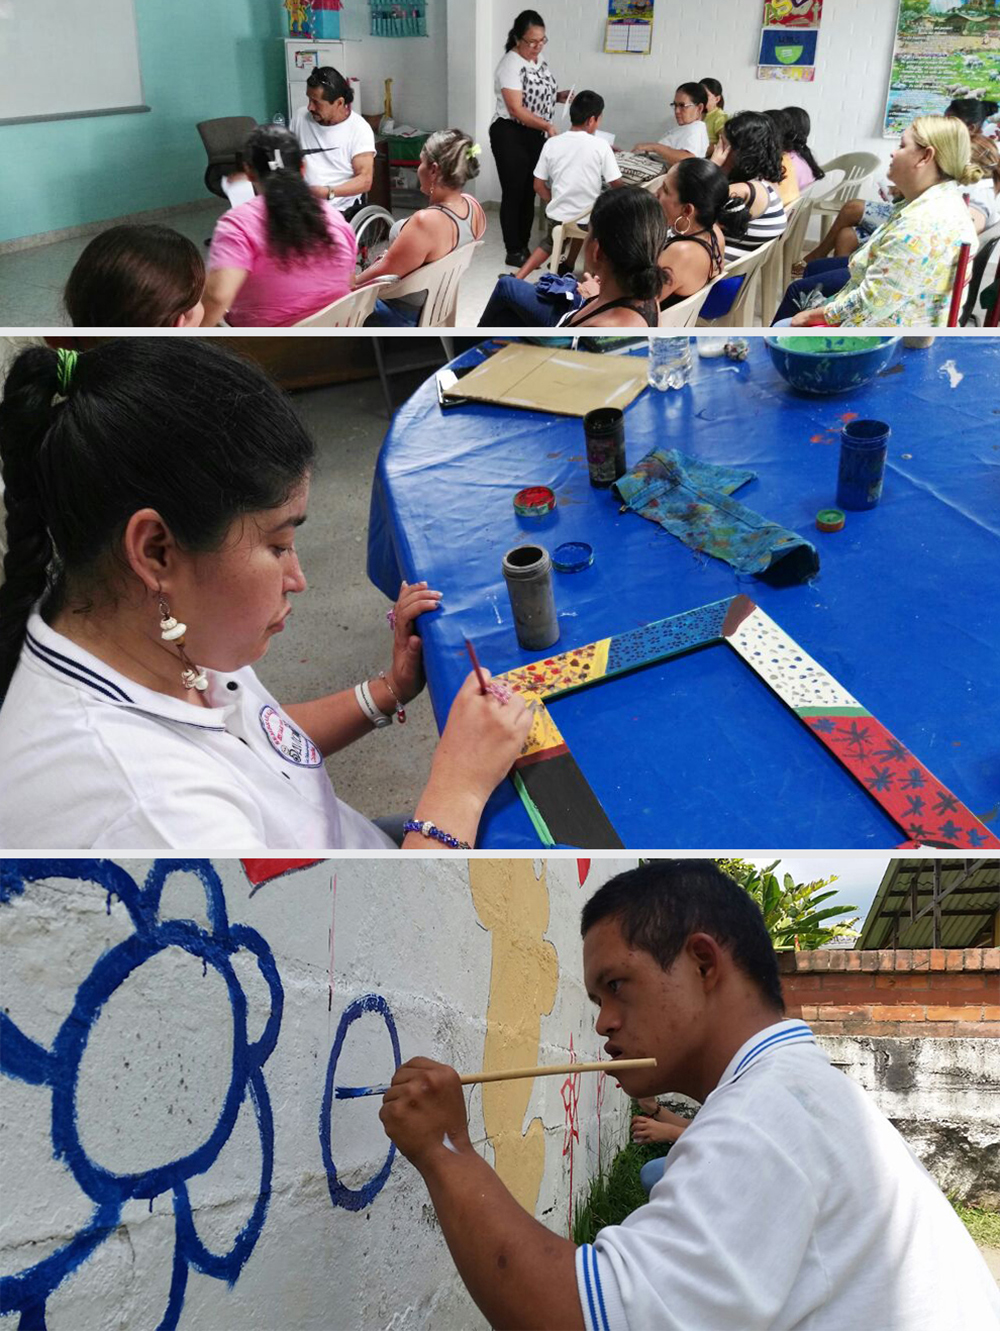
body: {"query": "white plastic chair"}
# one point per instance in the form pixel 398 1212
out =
pixel 563 232
pixel 440 280
pixel 685 313
pixel 349 312
pixel 858 169
pixel 749 268
pixel 777 271
pixel 653 186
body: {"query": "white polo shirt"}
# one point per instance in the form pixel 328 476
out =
pixel 91 760
pixel 575 165
pixel 340 143
pixel 691 138
pixel 790 1202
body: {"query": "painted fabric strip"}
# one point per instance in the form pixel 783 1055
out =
pixel 690 499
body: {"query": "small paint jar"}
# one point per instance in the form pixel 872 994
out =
pixel 863 449
pixel 527 570
pixel 604 430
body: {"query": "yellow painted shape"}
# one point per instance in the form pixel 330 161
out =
pixel 554 674
pixel 514 907
pixel 544 733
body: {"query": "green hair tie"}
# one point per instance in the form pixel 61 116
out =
pixel 66 364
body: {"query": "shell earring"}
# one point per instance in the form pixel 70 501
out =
pixel 172 630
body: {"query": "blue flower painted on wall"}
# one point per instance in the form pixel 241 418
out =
pixel 58 1067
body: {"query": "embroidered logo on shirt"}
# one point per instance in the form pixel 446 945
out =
pixel 288 740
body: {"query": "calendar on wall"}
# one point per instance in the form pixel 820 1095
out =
pixel 391 19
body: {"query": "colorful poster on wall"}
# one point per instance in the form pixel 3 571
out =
pixel 788 40
pixel 629 29
pixel 790 55
pixel 944 49
pixel 792 13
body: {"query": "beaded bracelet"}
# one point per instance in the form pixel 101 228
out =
pixel 428 830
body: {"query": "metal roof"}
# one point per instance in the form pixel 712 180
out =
pixel 903 913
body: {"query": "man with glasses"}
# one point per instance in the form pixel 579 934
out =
pixel 690 137
pixel 339 144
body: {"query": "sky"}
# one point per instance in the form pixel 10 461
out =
pixel 859 875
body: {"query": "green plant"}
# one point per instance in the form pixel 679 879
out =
pixel 984 1226
pixel 614 1194
pixel 791 910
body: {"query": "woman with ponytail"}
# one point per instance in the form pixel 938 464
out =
pixel 701 215
pixel 153 488
pixel 903 275
pixel 283 255
pixel 799 127
pixel 625 238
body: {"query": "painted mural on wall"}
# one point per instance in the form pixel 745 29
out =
pixel 182 1142
pixel 944 49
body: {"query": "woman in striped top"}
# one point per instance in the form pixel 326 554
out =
pixel 749 153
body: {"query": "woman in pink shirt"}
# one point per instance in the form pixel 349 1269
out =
pixel 283 255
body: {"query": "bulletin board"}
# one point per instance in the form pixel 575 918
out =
pixel 68 59
pixel 943 51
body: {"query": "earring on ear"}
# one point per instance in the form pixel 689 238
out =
pixel 173 631
pixel 677 228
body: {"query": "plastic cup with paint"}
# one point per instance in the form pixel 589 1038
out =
pixel 527 570
pixel 863 449
pixel 604 430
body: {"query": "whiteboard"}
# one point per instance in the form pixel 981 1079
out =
pixel 65 58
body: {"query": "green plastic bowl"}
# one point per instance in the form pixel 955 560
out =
pixel 823 363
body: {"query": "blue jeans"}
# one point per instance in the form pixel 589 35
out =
pixel 393 314
pixel 516 304
pixel 651 1173
pixel 827 275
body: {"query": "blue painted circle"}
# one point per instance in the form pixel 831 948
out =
pixel 572 556
pixel 354 1199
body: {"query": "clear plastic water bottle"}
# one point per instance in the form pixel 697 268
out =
pixel 669 362
pixel 278 119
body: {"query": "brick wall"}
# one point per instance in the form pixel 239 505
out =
pixel 919 991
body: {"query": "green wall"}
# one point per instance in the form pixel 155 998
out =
pixel 200 59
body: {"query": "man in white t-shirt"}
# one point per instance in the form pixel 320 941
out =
pixel 689 137
pixel 788 1204
pixel 570 173
pixel 339 144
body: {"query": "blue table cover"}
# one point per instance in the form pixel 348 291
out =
pixel 697 753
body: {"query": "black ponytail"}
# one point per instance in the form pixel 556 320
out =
pixel 26 415
pixel 800 127
pixel 296 222
pixel 630 228
pixel 528 18
pixel 176 424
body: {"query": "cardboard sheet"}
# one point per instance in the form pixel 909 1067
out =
pixel 568 383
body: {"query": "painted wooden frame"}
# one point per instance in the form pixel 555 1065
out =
pixel 564 809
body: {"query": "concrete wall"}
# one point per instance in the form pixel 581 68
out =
pixel 172 1151
pixel 716 38
pixel 416 65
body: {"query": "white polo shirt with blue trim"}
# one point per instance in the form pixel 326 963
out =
pixel 91 760
pixel 789 1204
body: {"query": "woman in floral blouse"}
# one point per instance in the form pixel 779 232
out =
pixel 905 273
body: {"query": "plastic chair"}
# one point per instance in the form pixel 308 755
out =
pixel 858 169
pixel 440 280
pixel 349 311
pixel 653 186
pixel 778 270
pixel 749 268
pixel 563 232
pixel 223 140
pixel 685 313
pixel 984 273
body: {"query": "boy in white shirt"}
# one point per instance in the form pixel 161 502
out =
pixel 788 1204
pixel 570 173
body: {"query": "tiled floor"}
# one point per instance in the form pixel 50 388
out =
pixel 32 280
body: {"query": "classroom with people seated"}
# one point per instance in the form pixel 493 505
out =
pixel 440 164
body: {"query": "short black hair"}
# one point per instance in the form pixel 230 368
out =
pixel 696 91
pixel 584 105
pixel 332 82
pixel 659 905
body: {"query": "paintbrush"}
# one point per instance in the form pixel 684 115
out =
pixel 476 666
pixel 615 1065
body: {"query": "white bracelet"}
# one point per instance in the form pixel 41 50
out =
pixel 366 702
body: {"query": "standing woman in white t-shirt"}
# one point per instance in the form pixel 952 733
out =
pixel 153 491
pixel 526 93
pixel 689 138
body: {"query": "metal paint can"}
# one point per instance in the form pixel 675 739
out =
pixel 863 449
pixel 527 570
pixel 605 434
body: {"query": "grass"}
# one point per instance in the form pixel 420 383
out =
pixel 984 1226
